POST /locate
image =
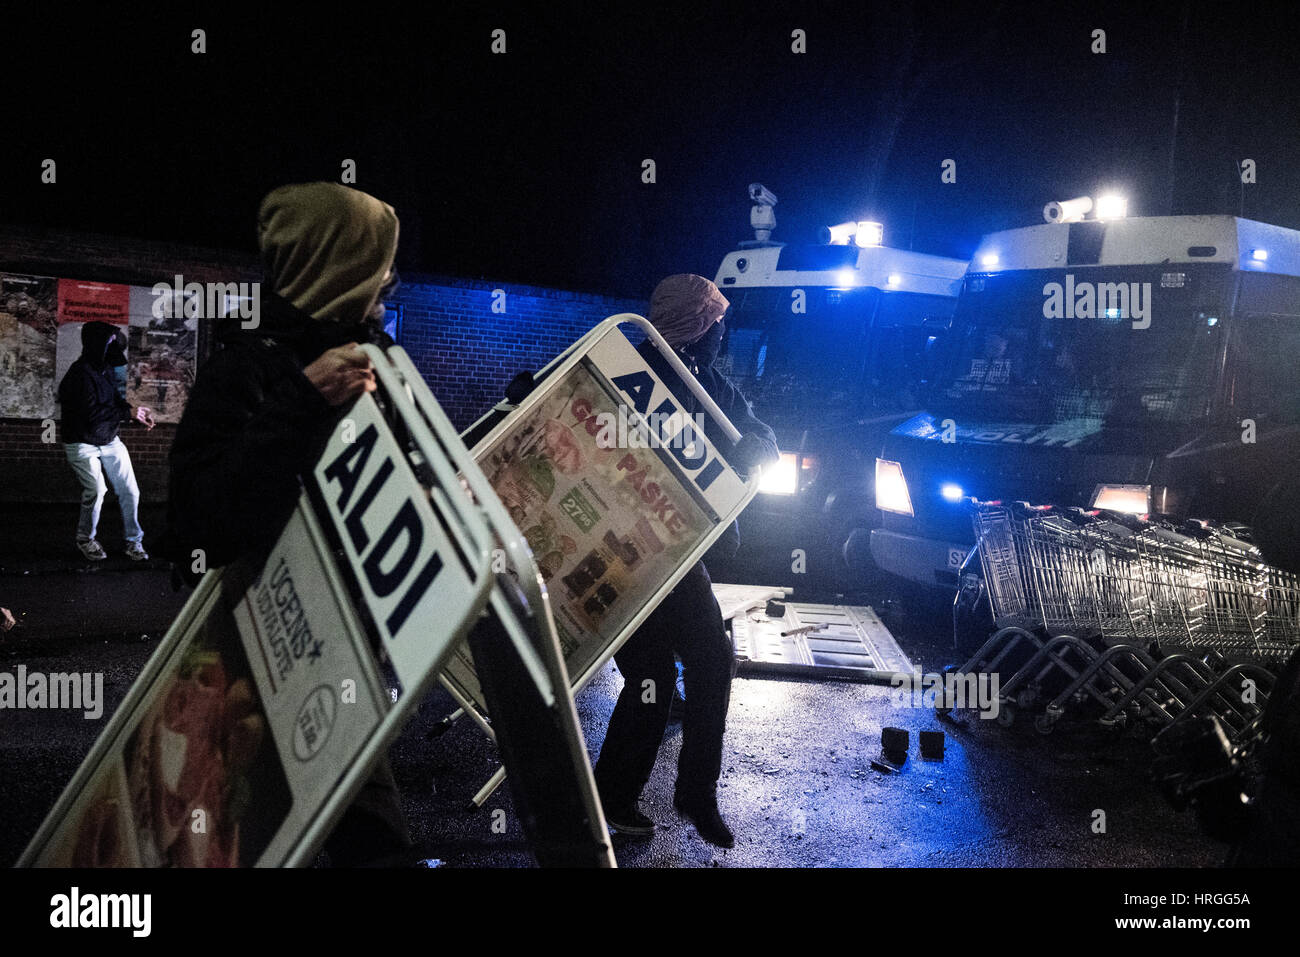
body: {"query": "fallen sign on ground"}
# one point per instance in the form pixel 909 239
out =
pixel 808 639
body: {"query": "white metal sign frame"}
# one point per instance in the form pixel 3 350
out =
pixel 607 351
pixel 437 595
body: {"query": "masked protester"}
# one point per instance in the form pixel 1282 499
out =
pixel 263 408
pixel 93 411
pixel 687 310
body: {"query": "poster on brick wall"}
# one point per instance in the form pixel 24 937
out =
pixel 81 301
pixel 28 323
pixel 163 342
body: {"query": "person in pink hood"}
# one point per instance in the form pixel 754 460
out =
pixel 687 311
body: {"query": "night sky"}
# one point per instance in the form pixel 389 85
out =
pixel 526 167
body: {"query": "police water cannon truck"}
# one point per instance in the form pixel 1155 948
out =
pixel 830 341
pixel 1141 365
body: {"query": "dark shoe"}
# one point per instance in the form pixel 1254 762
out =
pixel 704 814
pixel 629 821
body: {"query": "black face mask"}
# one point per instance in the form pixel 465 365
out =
pixel 380 308
pixel 705 349
pixel 115 354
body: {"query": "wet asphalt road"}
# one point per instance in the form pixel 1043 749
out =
pixel 797 784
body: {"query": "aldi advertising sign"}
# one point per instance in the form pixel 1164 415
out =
pixel 267 703
pixel 394 543
pixel 242 724
pixel 617 491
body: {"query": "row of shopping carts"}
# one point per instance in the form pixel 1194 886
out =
pixel 1129 619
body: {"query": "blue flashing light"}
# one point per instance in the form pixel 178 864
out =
pixel 1259 255
pixel 951 492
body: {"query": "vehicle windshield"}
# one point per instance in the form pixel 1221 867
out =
pixel 851 355
pixel 1116 345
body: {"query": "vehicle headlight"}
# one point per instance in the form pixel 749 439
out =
pixel 891 488
pixel 781 477
pixel 1134 499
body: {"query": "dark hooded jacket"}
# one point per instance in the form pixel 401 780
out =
pixel 93 410
pixel 682 309
pixel 254 422
pixel 757 444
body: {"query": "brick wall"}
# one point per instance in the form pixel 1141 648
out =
pixel 35 471
pixel 466 351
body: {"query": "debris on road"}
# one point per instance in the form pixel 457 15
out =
pixel 932 743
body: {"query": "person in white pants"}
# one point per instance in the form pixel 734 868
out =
pixel 97 467
pixel 93 409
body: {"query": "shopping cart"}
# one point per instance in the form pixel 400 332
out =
pixel 1140 618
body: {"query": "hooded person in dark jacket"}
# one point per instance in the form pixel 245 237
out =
pixel 687 311
pixel 93 411
pixel 263 407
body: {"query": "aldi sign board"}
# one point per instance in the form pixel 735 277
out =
pixel 241 726
pixel 609 523
pixel 395 544
pixel 641 391
pixel 264 707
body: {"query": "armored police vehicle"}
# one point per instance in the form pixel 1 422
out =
pixel 1141 365
pixel 829 341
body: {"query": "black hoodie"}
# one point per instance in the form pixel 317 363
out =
pixel 92 408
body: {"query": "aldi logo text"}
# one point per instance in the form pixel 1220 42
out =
pixel 690 451
pixel 384 527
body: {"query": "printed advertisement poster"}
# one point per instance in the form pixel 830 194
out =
pixel 262 705
pixel 84 301
pixel 607 526
pixel 81 301
pixel 161 347
pixel 161 342
pixel 195 782
pixel 28 324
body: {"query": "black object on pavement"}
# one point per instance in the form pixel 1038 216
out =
pixel 894 741
pixel 932 744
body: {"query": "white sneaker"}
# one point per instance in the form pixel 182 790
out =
pixel 135 551
pixel 92 550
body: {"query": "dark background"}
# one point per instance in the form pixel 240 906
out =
pixel 526 166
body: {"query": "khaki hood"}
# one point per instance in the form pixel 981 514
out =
pixel 327 248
